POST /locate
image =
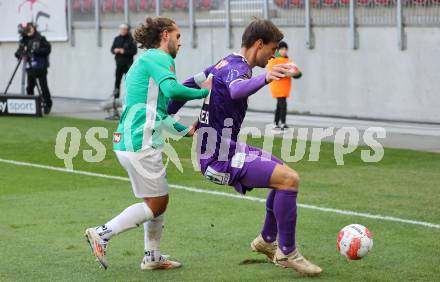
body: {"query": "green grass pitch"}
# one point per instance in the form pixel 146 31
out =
pixel 43 214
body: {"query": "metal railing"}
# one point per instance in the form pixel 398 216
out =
pixel 283 12
pixel 229 13
pixel 376 13
pixel 421 13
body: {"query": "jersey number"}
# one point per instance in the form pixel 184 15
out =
pixel 204 117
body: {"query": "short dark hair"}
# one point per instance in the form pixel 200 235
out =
pixel 148 34
pixel 282 45
pixel 260 29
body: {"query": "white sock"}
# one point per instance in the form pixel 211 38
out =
pixel 152 234
pixel 131 217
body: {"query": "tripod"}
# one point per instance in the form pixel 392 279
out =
pixel 21 59
pixel 114 115
pixel 113 108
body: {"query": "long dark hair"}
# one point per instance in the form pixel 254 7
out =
pixel 148 34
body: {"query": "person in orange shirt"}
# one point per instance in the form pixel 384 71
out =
pixel 281 88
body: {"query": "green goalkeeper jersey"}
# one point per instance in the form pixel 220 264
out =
pixel 144 114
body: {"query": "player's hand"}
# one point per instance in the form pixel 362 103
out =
pixel 121 50
pixel 207 84
pixel 293 70
pixel 277 72
pixel 190 132
pixel 192 129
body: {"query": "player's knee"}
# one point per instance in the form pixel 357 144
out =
pixel 156 207
pixel 158 210
pixel 291 181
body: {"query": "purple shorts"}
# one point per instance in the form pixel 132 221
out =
pixel 249 168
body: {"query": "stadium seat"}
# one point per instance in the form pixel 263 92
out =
pixel 76 5
pixel 383 2
pixel 420 2
pixel 107 6
pixel 204 4
pixel 119 6
pixel 363 2
pixel 167 4
pixel 367 2
pixel 316 3
pixel 329 2
pixel 296 3
pixel 133 5
pixel 143 5
pixel 181 4
pixel 281 3
pixel 87 6
pixel 147 5
pixel 300 3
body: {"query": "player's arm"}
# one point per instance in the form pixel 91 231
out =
pixel 173 90
pixel 242 88
pixel 176 128
pixel 174 106
pixel 197 82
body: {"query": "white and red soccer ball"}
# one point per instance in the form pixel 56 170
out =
pixel 354 241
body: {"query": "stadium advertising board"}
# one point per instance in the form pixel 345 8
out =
pixel 20 105
pixel 49 15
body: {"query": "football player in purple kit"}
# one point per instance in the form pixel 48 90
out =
pixel 226 161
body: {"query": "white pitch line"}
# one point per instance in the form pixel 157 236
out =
pixel 237 196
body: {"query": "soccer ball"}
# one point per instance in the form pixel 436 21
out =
pixel 354 241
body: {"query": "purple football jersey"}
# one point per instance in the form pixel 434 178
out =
pixel 220 112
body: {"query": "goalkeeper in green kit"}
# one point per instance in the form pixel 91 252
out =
pixel 150 83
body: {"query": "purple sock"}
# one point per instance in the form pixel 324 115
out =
pixel 284 209
pixel 269 231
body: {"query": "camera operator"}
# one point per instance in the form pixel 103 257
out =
pixel 34 49
pixel 124 48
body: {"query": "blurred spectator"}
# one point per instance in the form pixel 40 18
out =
pixel 124 49
pixel 34 49
pixel 281 88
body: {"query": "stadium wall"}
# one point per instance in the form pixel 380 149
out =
pixel 377 81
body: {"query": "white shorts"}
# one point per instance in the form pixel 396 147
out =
pixel 146 172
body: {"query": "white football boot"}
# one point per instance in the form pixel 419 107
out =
pixel 150 262
pixel 98 246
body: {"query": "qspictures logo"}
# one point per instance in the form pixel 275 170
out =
pixel 159 134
